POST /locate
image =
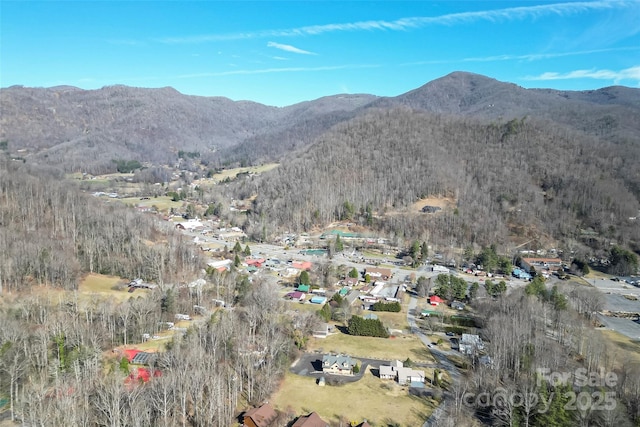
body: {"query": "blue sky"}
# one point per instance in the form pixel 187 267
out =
pixel 284 52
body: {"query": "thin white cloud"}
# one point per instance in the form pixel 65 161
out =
pixel 277 70
pixel 405 24
pixel 540 56
pixel 524 57
pixel 289 48
pixel 632 73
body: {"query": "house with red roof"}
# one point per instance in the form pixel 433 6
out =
pixel 311 420
pixel 256 262
pixel 141 375
pixel 259 417
pixel 130 353
pixel 435 300
pixel 302 265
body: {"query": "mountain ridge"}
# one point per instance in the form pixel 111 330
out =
pixel 87 129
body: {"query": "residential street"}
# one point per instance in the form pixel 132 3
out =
pixel 441 357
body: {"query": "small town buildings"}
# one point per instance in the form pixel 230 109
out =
pixel 296 295
pixel 409 376
pixel 390 371
pixel 304 288
pixel 351 281
pixel 551 264
pixel 259 417
pixel 520 274
pixel 379 273
pixel 190 225
pixel 457 305
pixel 311 420
pixel 255 262
pixel 429 313
pixel 470 344
pixel 321 330
pixel 337 364
pixel 302 265
pixel 222 263
pixel 403 375
pixel 435 300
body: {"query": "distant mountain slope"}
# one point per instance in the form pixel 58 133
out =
pixel 85 130
pixel 517 176
pixel 304 122
pixel 612 111
pixel 80 129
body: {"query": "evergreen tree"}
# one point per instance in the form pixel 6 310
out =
pixel 473 291
pixel 339 247
pixel 424 250
pixel 304 278
pixel 247 251
pixel 354 273
pixel 325 312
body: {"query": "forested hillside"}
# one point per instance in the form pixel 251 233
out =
pixel 520 176
pixel 51 233
pixel 85 130
pixel 536 163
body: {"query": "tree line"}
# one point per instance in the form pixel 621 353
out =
pixel 526 177
pixel 53 234
pixel 57 366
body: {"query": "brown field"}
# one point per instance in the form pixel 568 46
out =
pixel 232 173
pixel 400 348
pixel 624 348
pixel 163 203
pixel 381 403
pixel 441 202
pixel 101 286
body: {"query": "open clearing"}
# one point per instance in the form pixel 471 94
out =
pixel 106 287
pixel 162 203
pixel 232 173
pixel 398 348
pixel 625 349
pixel 441 202
pixel 381 403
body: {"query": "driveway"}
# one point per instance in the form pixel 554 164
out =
pixel 310 365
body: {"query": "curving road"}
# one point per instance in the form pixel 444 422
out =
pixel 441 357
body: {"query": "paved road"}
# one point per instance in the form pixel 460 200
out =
pixel 441 357
pixel 624 326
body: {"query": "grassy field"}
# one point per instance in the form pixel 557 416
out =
pixel 623 347
pixel 163 203
pixel 393 320
pixel 99 285
pixel 399 348
pixel 231 173
pixel 381 403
